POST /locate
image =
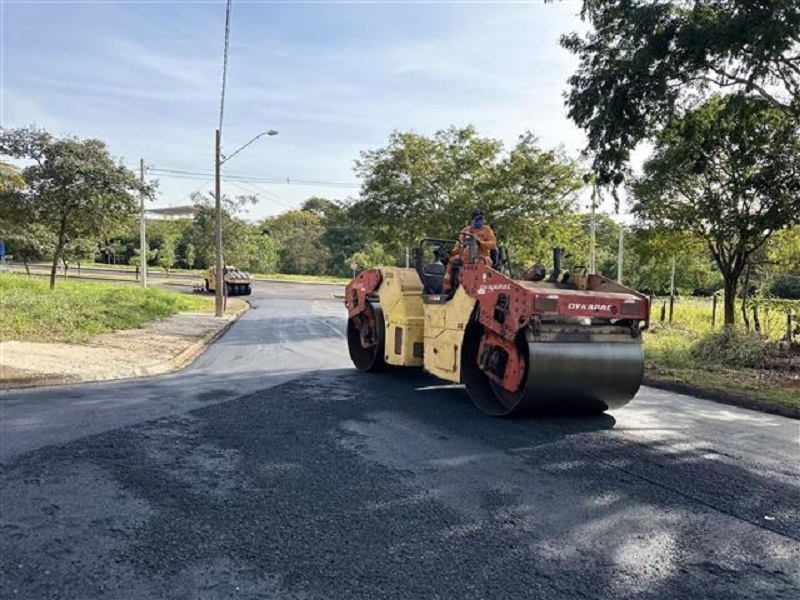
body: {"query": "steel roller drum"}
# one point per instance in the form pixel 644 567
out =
pixel 565 378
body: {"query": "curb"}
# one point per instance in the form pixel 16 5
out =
pixel 764 406
pixel 176 363
pixel 187 357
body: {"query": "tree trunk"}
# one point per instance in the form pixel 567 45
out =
pixel 744 299
pixel 62 240
pixel 56 257
pixel 28 268
pixel 730 299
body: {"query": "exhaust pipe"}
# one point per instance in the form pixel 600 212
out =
pixel 557 255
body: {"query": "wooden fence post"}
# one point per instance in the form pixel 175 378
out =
pixel 713 311
pixel 663 311
pixel 671 307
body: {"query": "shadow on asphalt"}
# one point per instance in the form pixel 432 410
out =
pixel 339 484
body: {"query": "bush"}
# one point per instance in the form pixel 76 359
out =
pixel 786 286
pixel 730 347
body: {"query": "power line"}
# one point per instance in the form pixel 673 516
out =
pixel 184 174
pixel 225 64
pixel 252 190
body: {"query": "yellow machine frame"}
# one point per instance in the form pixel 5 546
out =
pixel 423 331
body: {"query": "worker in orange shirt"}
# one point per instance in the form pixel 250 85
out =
pixel 485 241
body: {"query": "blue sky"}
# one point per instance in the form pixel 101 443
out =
pixel 332 78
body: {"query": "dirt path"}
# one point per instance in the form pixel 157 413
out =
pixel 156 348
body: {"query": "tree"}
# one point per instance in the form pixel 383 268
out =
pixel 79 250
pixel 645 62
pixel 420 186
pixel 298 234
pixel 189 256
pixel 10 177
pixel 343 233
pixel 729 172
pixel 263 254
pixel 655 249
pixel 28 243
pixel 235 231
pixel 781 268
pixel 75 189
pixel 372 255
pixel 166 253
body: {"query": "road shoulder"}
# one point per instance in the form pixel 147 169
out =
pixel 159 347
pixel 742 400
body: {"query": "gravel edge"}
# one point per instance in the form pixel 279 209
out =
pixel 182 360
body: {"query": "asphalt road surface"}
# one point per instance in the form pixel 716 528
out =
pixel 272 469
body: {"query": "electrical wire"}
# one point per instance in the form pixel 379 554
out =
pixel 249 189
pixel 186 174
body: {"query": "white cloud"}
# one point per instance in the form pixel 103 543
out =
pixel 154 95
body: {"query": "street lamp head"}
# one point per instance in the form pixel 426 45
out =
pixel 272 132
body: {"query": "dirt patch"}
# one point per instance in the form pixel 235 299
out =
pixel 158 347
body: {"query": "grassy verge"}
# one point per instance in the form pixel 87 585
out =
pixel 122 276
pixel 670 361
pixel 75 311
pixel 132 268
pixel 129 271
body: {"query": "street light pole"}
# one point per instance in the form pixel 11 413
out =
pixel 219 279
pixel 142 231
pixel 218 161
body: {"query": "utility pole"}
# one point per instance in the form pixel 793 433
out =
pixel 592 252
pixel 220 279
pixel 142 231
pixel 620 254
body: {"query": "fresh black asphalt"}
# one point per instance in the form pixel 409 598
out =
pixel 271 469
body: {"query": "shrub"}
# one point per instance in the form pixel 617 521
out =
pixel 730 347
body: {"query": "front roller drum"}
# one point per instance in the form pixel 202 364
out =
pixel 585 378
pixel 366 339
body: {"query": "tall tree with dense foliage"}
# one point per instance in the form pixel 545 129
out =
pixel 645 61
pixel 418 186
pixel 298 235
pixel 344 235
pixel 728 171
pixel 74 187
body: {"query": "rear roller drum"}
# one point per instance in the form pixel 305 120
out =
pixel 366 339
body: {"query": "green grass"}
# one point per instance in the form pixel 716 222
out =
pixel 73 268
pixel 694 314
pixel 75 311
pixel 668 353
pixel 130 270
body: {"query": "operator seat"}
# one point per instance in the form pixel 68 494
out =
pixel 433 278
